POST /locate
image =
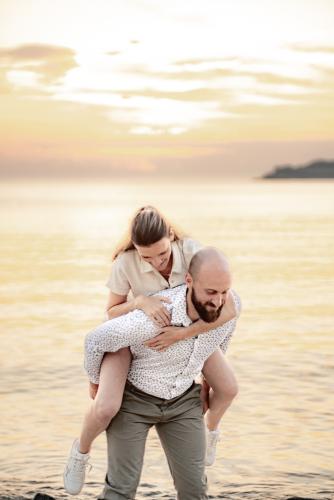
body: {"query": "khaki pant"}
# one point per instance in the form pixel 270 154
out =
pixel 180 426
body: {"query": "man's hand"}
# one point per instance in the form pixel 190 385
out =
pixel 204 395
pixel 93 390
pixel 166 337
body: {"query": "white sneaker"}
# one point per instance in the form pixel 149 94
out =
pixel 212 438
pixel 75 470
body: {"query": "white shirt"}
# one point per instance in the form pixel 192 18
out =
pixel 165 374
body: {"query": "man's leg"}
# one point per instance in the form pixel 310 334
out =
pixel 182 435
pixel 126 437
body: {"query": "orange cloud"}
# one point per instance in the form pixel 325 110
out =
pixel 49 62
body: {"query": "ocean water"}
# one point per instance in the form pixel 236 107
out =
pixel 57 239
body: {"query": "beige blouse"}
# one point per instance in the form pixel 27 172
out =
pixel 131 273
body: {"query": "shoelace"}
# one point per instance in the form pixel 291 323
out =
pixel 79 465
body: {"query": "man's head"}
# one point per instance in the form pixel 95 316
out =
pixel 209 280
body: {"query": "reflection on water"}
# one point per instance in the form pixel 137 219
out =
pixel 57 240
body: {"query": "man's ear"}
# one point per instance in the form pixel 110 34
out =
pixel 189 280
pixel 171 234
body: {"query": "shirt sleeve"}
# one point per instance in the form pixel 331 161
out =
pixel 227 335
pixel 129 329
pixel 118 281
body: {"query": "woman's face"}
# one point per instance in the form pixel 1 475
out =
pixel 158 254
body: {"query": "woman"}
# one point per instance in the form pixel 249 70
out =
pixel 155 257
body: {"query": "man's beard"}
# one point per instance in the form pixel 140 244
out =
pixel 209 316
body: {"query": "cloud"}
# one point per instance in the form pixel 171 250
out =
pixel 207 75
pixel 155 107
pixel 173 99
pixel 192 95
pixel 113 53
pixel 49 62
pixel 5 88
pixel 35 52
pixel 198 61
pixel 226 87
pixel 200 74
pixel 275 79
pixel 324 49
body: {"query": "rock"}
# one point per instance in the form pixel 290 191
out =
pixel 43 496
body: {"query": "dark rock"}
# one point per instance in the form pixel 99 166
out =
pixel 320 169
pixel 43 496
pixel 299 498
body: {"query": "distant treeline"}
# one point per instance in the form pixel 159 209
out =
pixel 319 169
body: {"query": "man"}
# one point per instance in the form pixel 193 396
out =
pixel 160 390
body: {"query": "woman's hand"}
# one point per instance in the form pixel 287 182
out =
pixel 154 308
pixel 229 310
pixel 167 337
pixel 93 390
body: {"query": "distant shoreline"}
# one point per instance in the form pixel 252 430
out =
pixel 320 169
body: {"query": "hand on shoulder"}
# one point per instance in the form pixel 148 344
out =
pixel 230 309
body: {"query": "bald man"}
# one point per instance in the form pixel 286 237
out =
pixel 160 389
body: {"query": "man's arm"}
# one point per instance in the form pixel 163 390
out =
pixel 132 328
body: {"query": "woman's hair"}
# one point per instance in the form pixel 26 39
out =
pixel 147 227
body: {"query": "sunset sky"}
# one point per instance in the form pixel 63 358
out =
pixel 151 86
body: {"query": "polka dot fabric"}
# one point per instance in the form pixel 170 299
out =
pixel 165 374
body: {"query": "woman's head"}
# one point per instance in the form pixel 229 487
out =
pixel 148 227
pixel 151 235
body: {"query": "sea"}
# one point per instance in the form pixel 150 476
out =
pixel 57 240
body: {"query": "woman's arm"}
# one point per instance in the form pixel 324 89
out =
pixel 171 334
pixel 227 313
pixel 152 307
pixel 118 305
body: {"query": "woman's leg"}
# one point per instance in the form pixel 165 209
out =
pixel 108 400
pixel 224 387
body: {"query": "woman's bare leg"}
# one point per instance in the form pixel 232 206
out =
pixel 107 402
pixel 224 387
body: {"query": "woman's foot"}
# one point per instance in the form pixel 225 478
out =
pixel 75 470
pixel 212 438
